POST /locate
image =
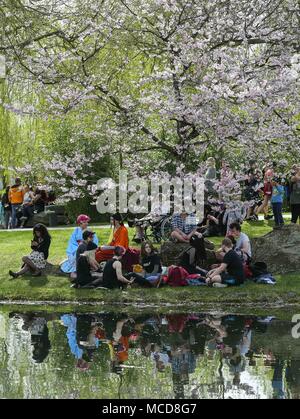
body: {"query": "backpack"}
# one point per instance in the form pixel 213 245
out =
pixel 258 268
pixel 177 276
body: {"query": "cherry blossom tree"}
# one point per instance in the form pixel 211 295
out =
pixel 163 83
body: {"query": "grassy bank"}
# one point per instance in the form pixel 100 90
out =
pixel 54 288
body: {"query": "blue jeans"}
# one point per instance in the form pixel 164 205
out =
pixel 277 210
pixel 14 210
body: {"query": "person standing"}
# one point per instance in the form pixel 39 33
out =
pixel 277 202
pixel 16 196
pixel 295 196
pixel 210 176
pixel 27 207
pixel 6 207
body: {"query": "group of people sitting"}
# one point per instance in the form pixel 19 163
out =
pixel 116 265
pixel 20 202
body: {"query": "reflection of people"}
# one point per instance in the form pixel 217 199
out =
pixel 70 321
pixel 120 238
pixel 39 339
pixel 36 325
pixel 37 260
pixel 293 378
pixel 69 265
pixel 278 380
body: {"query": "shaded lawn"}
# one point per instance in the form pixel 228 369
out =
pixel 13 245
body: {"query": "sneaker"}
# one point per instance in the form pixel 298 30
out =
pixel 13 274
pixel 218 285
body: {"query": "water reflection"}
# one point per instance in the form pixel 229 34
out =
pixel 155 356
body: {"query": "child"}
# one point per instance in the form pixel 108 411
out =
pixel 277 202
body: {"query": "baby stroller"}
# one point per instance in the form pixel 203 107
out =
pixel 152 228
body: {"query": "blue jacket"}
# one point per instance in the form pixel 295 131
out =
pixel 278 194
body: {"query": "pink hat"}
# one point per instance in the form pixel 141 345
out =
pixel 82 218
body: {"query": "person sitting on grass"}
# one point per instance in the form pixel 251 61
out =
pixel 277 202
pixel 212 224
pixel 230 272
pixel 183 226
pixel 37 260
pixel 68 266
pixel 192 258
pixel 88 237
pixel 151 262
pixel 243 244
pixel 113 277
pixel 120 238
pixel 87 275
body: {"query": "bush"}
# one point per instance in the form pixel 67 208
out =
pixel 84 206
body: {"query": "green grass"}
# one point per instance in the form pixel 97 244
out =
pixel 14 245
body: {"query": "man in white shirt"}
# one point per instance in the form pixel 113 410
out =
pixel 243 244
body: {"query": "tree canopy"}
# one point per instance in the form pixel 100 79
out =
pixel 157 82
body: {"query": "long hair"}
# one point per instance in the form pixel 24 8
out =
pixel 143 248
pixel 118 217
pixel 199 244
pixel 41 228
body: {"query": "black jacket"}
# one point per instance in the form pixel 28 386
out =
pixel 43 247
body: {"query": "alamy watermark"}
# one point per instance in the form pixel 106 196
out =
pixel 2 67
pixel 296 328
pixel 159 195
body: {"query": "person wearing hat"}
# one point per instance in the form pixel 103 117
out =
pixel 277 202
pixel 69 265
pixel 120 238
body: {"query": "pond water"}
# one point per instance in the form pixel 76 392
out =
pixel 121 356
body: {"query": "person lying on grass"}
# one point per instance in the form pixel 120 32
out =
pixel 37 260
pixel 230 272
